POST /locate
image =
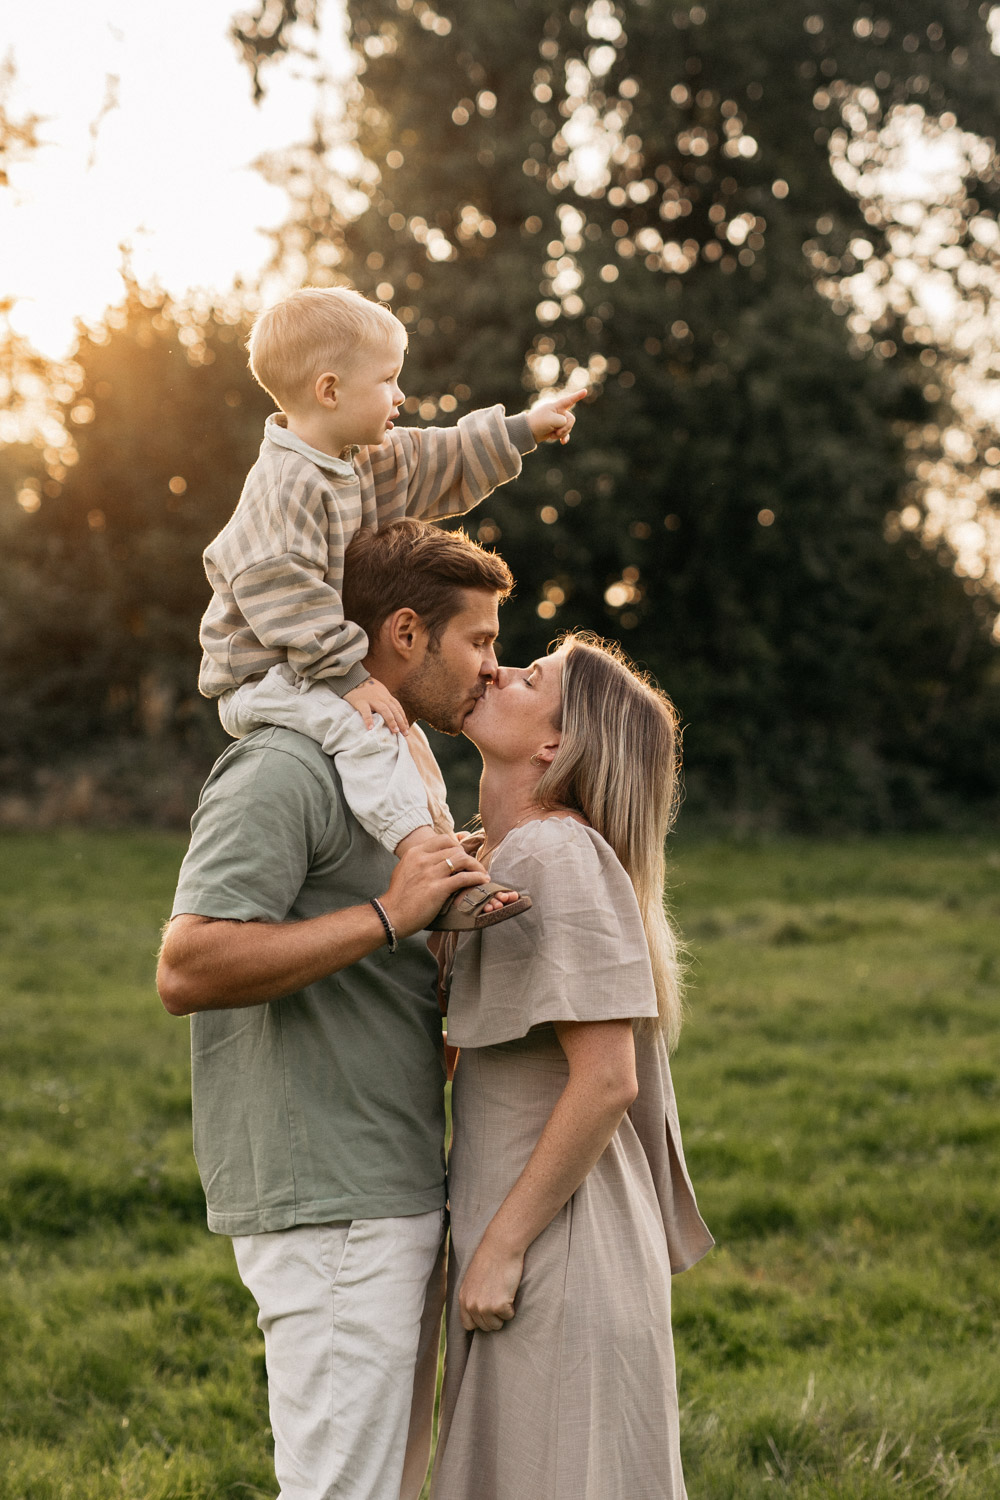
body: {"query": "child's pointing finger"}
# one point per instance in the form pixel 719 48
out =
pixel 570 398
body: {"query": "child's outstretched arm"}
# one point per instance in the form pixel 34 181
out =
pixel 552 421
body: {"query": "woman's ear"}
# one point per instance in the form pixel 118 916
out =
pixel 545 754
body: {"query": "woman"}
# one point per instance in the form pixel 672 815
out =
pixel 570 1201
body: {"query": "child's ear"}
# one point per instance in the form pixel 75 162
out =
pixel 326 389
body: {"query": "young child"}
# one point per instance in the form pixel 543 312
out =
pixel 277 648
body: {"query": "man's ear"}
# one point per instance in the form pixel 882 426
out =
pixel 325 389
pixel 404 632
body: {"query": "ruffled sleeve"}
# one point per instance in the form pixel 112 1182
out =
pixel 579 954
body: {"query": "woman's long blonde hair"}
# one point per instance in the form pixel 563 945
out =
pixel 617 764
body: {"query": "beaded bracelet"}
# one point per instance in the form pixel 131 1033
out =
pixel 390 931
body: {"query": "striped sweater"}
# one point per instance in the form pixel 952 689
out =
pixel 277 568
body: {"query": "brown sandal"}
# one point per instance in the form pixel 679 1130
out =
pixel 463 912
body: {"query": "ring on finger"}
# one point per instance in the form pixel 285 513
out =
pixel 449 864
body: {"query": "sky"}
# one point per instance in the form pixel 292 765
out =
pixel 149 133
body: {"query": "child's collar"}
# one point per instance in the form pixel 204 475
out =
pixel 276 431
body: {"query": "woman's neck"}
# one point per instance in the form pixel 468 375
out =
pixel 507 798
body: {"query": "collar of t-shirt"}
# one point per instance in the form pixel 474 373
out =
pixel 276 431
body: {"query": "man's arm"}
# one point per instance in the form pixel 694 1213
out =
pixel 209 963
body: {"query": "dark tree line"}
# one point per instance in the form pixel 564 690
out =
pixel 728 506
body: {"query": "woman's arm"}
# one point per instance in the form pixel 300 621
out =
pixel 600 1088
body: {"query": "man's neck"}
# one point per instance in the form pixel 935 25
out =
pixel 387 669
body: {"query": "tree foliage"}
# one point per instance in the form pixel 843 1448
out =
pixel 103 585
pixel 653 202
pixel 637 198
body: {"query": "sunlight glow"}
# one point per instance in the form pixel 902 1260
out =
pixel 149 136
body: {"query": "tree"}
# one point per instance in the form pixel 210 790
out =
pixel 103 585
pixel 621 194
pixel 23 371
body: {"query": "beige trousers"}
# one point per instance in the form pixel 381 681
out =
pixel 351 1318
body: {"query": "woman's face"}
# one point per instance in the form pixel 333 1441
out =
pixel 516 716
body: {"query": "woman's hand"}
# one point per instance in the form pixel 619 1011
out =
pixel 600 1088
pixel 486 1296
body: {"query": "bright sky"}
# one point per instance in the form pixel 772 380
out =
pixel 167 171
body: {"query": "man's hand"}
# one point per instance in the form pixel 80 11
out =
pixel 486 1296
pixel 373 698
pixel 552 421
pixel 424 879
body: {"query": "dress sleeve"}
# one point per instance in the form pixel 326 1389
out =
pixel 654 1119
pixel 579 953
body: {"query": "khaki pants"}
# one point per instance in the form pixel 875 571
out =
pixel 351 1317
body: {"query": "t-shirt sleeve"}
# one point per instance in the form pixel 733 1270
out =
pixel 261 820
pixel 579 953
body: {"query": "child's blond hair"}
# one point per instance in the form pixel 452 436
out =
pixel 312 330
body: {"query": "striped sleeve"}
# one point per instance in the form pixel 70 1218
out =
pixel 434 472
pixel 276 572
pixel 292 609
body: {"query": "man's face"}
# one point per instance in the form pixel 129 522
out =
pixel 449 679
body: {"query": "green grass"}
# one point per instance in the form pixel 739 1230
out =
pixel 839 1085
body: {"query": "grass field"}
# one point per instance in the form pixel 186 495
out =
pixel 839 1085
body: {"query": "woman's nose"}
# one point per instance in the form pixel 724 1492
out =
pixel 502 676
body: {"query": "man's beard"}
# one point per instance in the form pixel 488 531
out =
pixel 429 694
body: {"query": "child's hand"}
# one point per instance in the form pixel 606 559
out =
pixel 373 698
pixel 553 421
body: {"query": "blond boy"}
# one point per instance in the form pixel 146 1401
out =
pixel 277 647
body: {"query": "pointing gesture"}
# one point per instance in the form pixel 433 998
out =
pixel 553 420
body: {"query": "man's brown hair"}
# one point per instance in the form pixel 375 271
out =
pixel 413 565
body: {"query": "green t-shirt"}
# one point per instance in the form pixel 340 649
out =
pixel 327 1104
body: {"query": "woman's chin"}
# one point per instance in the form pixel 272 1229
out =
pixel 476 725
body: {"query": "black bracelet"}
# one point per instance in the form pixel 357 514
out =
pixel 390 931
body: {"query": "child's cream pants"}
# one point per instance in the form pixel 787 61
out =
pixel 382 786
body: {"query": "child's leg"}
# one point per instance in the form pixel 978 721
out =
pixel 382 786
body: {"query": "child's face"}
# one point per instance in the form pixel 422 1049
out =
pixel 368 395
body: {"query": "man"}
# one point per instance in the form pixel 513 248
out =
pixel 317 1065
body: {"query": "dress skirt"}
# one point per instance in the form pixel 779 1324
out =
pixel 575 1398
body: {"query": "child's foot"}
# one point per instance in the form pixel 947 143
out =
pixel 479 906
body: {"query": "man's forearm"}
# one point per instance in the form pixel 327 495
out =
pixel 209 964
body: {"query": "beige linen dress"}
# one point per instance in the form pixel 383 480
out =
pixel 575 1398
